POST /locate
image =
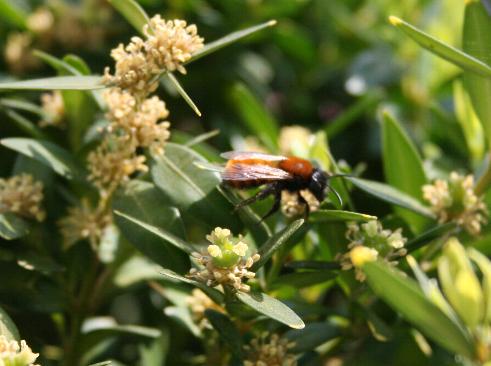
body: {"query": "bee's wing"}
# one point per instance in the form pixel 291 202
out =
pixel 242 172
pixel 250 155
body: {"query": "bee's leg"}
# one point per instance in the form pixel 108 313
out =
pixel 270 189
pixel 276 205
pixel 307 207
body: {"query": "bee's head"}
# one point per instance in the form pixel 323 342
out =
pixel 318 184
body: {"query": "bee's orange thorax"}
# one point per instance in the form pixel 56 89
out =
pixel 297 166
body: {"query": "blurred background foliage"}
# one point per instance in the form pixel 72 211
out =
pixel 330 66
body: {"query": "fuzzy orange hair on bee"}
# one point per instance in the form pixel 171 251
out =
pixel 277 173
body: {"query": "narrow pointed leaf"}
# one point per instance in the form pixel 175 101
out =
pixel 12 227
pixel 267 250
pixel 391 195
pixel 12 14
pixel 143 201
pixel 429 235
pixel 477 28
pixel 403 294
pixel 312 336
pixel 25 125
pixel 227 331
pixel 403 167
pixel 103 363
pixel 214 294
pixel 255 116
pixel 272 308
pixel 229 39
pixel 339 215
pixel 47 153
pixel 7 327
pixel 183 93
pixel 132 12
pixel 161 233
pixel 56 83
pixel 449 53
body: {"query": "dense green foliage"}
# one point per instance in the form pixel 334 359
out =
pixel 119 245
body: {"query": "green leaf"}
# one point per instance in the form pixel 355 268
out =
pixel 274 243
pixel 255 116
pixel 183 93
pixel 103 363
pixel 212 293
pixel 403 167
pixel 161 233
pixel 47 153
pixel 339 215
pixel 7 327
pixel 132 12
pixel 12 227
pixel 304 279
pixel 429 235
pixel 403 294
pixel 272 308
pixel 135 270
pixel 25 125
pixel 469 121
pixel 145 217
pixel 191 189
pixel 229 39
pixel 312 336
pixel 449 53
pixel 477 28
pixel 108 326
pixel 316 265
pixel 155 352
pixel 227 331
pixel 56 83
pixel 23 106
pixel 12 14
pixel 391 195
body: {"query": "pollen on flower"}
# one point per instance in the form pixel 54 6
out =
pixel 142 121
pixel 225 262
pixel 22 195
pixel 113 162
pixel 167 46
pixel 198 302
pixel 13 353
pixel 171 43
pixel 368 242
pixel 294 140
pixel 293 206
pixel 455 200
pixel 54 108
pixel 270 350
pixel 84 222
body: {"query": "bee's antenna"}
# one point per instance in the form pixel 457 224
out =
pixel 340 200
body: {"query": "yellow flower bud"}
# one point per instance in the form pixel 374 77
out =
pixel 360 255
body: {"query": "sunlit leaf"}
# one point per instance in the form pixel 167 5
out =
pixel 391 195
pixel 272 308
pixel 339 215
pixel 56 83
pixel 183 93
pixel 47 153
pixel 132 12
pixel 12 227
pixel 449 53
pixel 407 298
pixel 7 327
pixel 229 39
pixel 477 27
pixel 12 14
pixel 403 167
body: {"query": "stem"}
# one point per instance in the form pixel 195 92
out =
pixel 485 179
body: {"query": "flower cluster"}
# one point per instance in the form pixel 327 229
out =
pixel 113 162
pixel 22 195
pixel 292 206
pixel 83 222
pixel 455 200
pixel 376 243
pixel 13 354
pixel 225 262
pixel 198 302
pixel 139 121
pixel 295 140
pixel 54 109
pixel 167 46
pixel 270 351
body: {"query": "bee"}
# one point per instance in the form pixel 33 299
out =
pixel 276 173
